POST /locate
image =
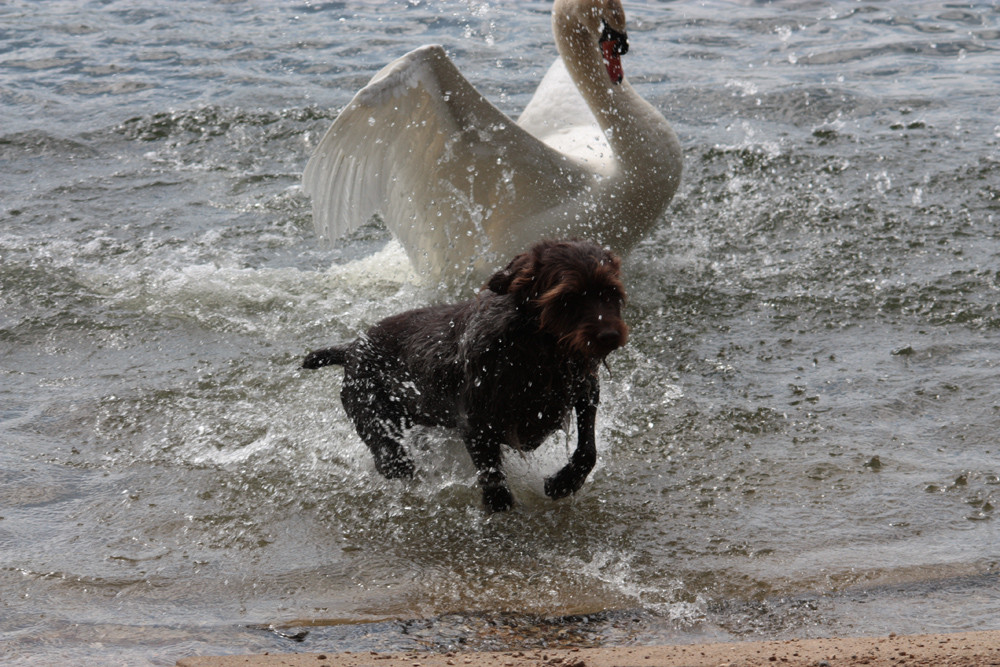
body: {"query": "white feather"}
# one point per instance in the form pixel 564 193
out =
pixel 464 188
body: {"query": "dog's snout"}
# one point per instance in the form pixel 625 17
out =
pixel 610 338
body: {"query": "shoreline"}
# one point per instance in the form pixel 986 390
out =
pixel 954 649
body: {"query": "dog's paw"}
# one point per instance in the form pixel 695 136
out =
pixel 497 499
pixel 564 483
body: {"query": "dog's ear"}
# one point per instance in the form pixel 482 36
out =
pixel 517 277
pixel 613 262
pixel 611 265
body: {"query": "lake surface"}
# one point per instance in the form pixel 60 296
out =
pixel 800 439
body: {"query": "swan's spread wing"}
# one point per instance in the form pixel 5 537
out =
pixel 449 172
pixel 559 116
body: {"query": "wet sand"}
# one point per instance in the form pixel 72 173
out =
pixel 956 650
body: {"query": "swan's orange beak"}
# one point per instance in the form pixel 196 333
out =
pixel 614 45
pixel 613 62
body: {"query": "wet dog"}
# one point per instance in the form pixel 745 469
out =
pixel 505 368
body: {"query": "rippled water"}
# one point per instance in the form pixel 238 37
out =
pixel 800 438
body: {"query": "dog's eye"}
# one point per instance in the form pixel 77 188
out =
pixel 613 296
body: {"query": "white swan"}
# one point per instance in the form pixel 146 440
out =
pixel 464 188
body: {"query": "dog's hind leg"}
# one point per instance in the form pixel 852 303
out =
pixel 572 476
pixel 380 422
pixel 486 456
pixel 384 442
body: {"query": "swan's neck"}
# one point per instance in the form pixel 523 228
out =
pixel 628 121
pixel 646 161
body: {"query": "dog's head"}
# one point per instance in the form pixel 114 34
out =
pixel 576 291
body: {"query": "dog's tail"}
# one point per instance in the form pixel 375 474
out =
pixel 331 356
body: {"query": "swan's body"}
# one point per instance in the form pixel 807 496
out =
pixel 464 188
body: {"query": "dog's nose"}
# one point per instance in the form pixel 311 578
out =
pixel 609 339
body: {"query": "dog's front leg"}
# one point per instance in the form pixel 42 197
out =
pixel 569 480
pixel 486 456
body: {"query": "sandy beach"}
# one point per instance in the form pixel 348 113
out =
pixel 960 649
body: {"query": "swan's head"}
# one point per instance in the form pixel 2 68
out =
pixel 590 27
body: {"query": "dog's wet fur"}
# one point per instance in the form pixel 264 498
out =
pixel 504 368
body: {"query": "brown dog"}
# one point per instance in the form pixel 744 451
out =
pixel 504 368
